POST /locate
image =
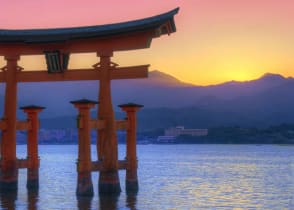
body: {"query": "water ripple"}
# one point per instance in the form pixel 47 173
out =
pixel 170 177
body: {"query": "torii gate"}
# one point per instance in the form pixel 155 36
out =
pixel 56 45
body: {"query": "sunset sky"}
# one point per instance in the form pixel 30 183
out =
pixel 216 40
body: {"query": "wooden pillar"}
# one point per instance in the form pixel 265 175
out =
pixel 9 170
pixel 131 173
pixel 32 146
pixel 107 140
pixel 84 168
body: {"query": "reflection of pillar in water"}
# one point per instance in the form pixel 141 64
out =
pixel 84 203
pixel 8 200
pixel 131 201
pixel 33 197
pixel 108 202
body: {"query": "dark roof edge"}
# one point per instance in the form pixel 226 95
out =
pixel 63 34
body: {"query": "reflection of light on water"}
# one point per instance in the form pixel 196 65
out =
pixel 172 177
pixel 229 176
pixel 224 185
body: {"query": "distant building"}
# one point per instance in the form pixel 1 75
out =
pixel 180 130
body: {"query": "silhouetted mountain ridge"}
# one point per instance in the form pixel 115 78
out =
pixel 263 101
pixel 162 79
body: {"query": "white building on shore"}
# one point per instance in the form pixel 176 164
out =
pixel 170 134
pixel 180 130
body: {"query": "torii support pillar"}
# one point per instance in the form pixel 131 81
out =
pixel 106 138
pixel 132 165
pixel 32 146
pixel 9 169
pixel 84 163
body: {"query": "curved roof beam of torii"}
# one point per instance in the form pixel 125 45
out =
pixel 130 35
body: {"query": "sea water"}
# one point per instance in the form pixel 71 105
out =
pixel 170 177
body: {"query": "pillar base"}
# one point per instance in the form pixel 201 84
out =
pixel 109 183
pixel 109 188
pixel 8 176
pixel 33 178
pixel 85 185
pixel 108 201
pixel 132 186
pixel 87 192
pixel 33 184
pixel 84 202
pixel 8 186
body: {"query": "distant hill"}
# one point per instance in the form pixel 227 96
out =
pixel 265 101
pixel 157 78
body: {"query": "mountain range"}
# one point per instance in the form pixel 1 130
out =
pixel 265 101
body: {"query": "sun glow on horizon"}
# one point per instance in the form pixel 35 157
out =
pixel 217 72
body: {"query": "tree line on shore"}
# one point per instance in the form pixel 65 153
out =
pixel 279 134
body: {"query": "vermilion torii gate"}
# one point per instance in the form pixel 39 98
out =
pixel 56 45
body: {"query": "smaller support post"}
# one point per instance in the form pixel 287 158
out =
pixel 32 146
pixel 131 174
pixel 84 185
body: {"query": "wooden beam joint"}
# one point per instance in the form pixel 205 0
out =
pixel 131 72
pixel 97 124
pixel 20 125
pixel 23 125
pixel 22 163
pixel 96 165
pixel 122 164
pixel 3 124
pixel 121 124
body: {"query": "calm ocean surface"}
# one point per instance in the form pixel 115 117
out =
pixel 170 177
